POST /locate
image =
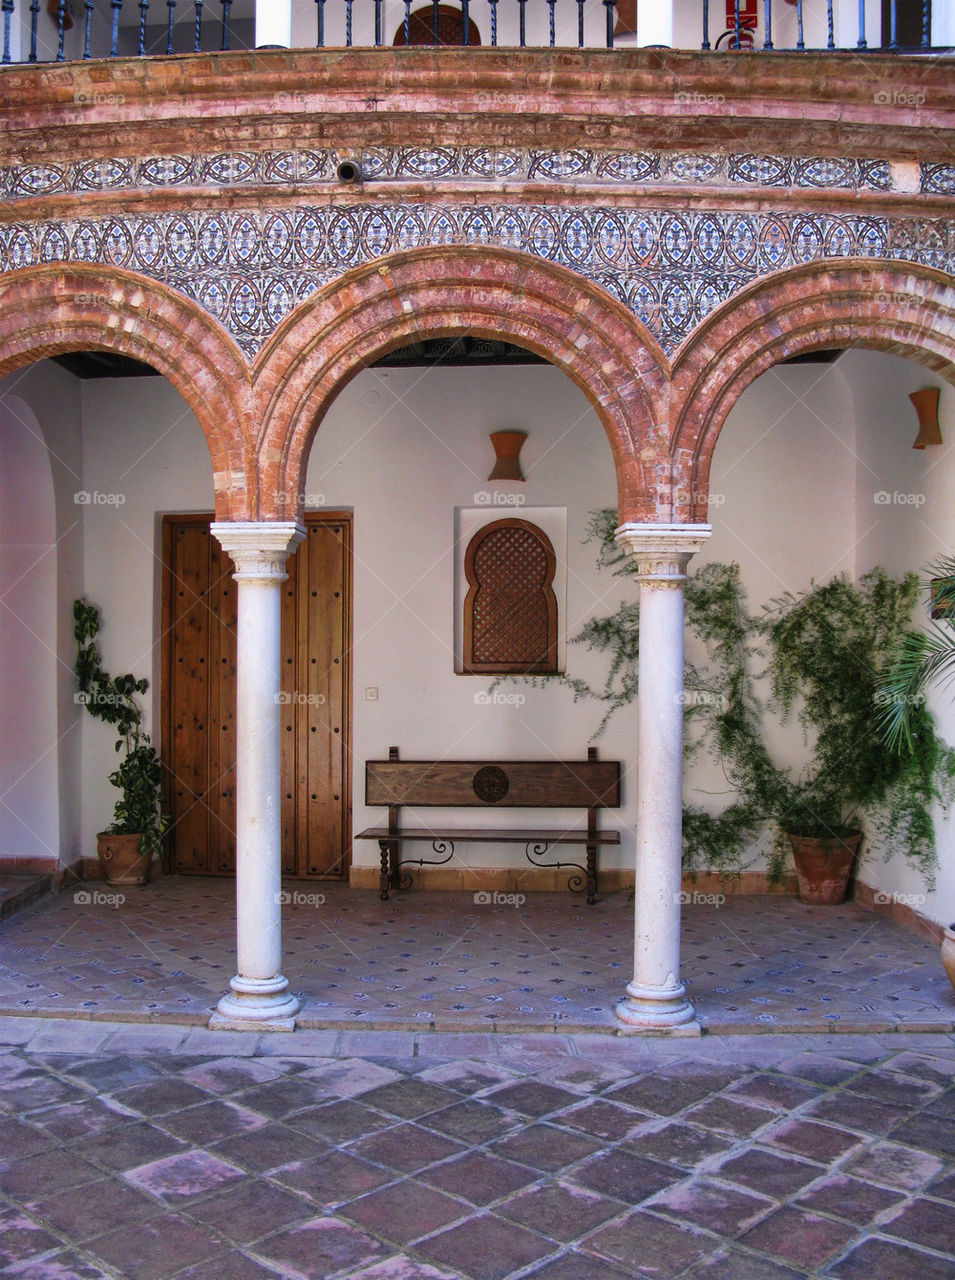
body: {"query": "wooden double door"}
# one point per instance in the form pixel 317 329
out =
pixel 198 697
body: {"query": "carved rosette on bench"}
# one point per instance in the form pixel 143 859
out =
pixel 589 784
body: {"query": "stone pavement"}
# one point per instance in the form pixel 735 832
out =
pixel 150 1152
pixel 441 960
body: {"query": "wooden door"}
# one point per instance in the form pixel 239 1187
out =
pixel 198 696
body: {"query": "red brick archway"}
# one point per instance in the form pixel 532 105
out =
pixel 61 307
pixel 444 290
pixel 900 308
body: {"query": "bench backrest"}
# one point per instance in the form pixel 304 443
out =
pixel 552 784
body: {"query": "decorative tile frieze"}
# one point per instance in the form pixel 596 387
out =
pixel 938 179
pixel 670 268
pixel 436 164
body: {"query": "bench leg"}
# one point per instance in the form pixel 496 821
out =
pixel 591 873
pixel 384 875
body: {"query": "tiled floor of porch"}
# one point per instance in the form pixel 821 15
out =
pixel 442 961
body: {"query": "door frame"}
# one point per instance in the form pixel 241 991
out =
pixel 168 520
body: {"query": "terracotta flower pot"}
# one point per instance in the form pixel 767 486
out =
pixel 121 860
pixel 823 866
pixel 948 953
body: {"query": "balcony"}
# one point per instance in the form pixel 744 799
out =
pixel 77 30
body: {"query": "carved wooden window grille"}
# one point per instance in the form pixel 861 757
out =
pixel 510 611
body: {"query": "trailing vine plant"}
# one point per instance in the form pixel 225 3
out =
pixel 817 656
pixel 112 699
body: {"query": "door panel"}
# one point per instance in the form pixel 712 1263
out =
pixel 199 737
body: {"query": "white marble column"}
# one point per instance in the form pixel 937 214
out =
pixel 655 22
pixel 259 994
pixel 273 24
pixel 656 999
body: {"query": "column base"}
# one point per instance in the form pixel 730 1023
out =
pixel 256 1004
pixel 657 1011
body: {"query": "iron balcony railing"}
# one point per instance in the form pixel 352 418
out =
pixel 68 30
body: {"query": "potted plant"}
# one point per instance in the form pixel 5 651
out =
pixel 822 653
pixel 127 847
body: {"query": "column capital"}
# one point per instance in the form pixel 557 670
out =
pixel 662 551
pixel 259 548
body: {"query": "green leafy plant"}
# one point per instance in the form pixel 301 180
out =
pixel 112 699
pixel 821 654
pixel 921 658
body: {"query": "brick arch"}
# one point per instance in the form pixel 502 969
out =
pixel 62 307
pixel 901 308
pixel 445 290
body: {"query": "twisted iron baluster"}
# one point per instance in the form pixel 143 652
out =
pixel 551 4
pixel 226 24
pixel 434 21
pixel 170 7
pixel 926 24
pixel 893 25
pixel 34 14
pixel 580 24
pixel 320 36
pixel 197 38
pixel 348 4
pixel 523 4
pixel 800 43
pixel 114 33
pixel 768 21
pixel 493 4
pixel 377 24
pixel 87 27
pixel 465 22
pixel 610 6
pixel 862 43
pixel 143 10
pixel 735 41
pixel 831 38
pixel 7 9
pixel 60 30
pixel 407 22
pixel 706 25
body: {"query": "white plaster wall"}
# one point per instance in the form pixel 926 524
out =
pixel 40 740
pixel 906 533
pixel 408 450
pixel 781 505
pixel 143 455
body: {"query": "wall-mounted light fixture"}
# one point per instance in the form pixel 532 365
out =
pixel 507 448
pixel 926 406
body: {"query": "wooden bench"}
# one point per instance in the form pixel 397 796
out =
pixel 589 784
